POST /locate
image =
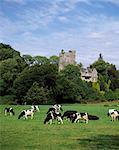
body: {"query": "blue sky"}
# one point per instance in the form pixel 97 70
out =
pixel 44 27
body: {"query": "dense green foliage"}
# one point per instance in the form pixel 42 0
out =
pixel 102 134
pixel 37 80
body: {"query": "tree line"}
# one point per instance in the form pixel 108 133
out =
pixel 36 80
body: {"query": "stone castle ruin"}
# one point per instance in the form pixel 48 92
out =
pixel 87 74
pixel 66 58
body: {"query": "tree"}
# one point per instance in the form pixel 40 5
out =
pixel 41 60
pixel 3 87
pixel 112 95
pixel 104 70
pixel 66 91
pixel 113 76
pixel 80 65
pixel 71 72
pixel 28 59
pixel 96 86
pixel 101 66
pixel 36 95
pixel 44 75
pixel 6 51
pixel 9 70
pixel 54 59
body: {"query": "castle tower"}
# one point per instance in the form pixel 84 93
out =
pixel 66 58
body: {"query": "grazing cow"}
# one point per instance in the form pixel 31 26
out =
pixel 26 113
pixel 9 110
pixel 54 114
pixel 55 108
pixel 69 114
pixel 78 116
pixel 35 107
pixel 114 114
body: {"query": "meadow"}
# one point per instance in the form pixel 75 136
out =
pixel 30 134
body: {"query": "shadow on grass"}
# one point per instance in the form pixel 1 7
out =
pixel 103 142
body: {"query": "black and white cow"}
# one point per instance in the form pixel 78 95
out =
pixel 69 114
pixel 35 107
pixel 9 110
pixel 26 113
pixel 114 114
pixel 74 116
pixel 54 114
pixel 80 116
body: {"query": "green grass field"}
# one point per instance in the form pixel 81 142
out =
pixel 34 135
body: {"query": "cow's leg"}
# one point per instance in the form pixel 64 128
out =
pixel 86 121
pixel 112 117
pixel 5 112
pixel 76 120
pixel 50 121
pixel 32 116
pixel 60 119
pixel 26 117
pixel 10 113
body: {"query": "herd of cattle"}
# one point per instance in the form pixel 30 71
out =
pixel 54 113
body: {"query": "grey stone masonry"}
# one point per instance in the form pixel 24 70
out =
pixel 66 58
pixel 89 74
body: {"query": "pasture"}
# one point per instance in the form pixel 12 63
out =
pixel 34 135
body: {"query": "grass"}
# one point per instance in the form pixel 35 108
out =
pixel 34 135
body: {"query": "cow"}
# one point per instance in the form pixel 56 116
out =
pixel 79 116
pixel 26 113
pixel 74 116
pixel 114 114
pixel 9 110
pixel 35 107
pixel 69 114
pixel 54 114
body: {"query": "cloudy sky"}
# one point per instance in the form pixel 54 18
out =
pixel 44 27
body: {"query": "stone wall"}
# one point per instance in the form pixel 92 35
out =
pixel 66 58
pixel 89 75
